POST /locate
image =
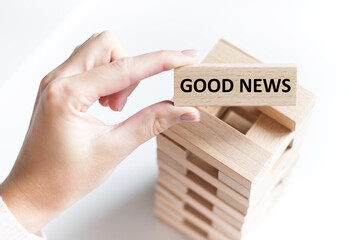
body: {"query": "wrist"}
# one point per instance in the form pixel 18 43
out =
pixel 28 204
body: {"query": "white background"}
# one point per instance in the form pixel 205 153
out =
pixel 322 199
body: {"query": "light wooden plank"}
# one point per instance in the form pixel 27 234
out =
pixel 170 147
pixel 231 201
pixel 234 236
pixel 221 146
pixel 251 113
pixel 191 217
pixel 228 218
pixel 233 184
pixel 207 175
pixel 174 163
pixel 273 137
pixel 171 197
pixel 174 182
pixel 289 116
pixel 277 166
pixel 237 121
pixel 272 179
pixel 202 207
pixel 169 212
pixel 210 196
pixel 292 116
pixel 301 132
pixel 219 84
pixel 180 227
pixel 253 220
pixel 200 163
pixel 225 52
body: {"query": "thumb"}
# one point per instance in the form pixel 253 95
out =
pixel 153 120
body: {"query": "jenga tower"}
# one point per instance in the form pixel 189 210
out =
pixel 217 178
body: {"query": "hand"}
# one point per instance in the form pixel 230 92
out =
pixel 66 152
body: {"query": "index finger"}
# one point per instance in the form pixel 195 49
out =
pixel 118 75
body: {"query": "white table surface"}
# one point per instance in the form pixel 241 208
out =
pixel 322 198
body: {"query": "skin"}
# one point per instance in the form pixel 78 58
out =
pixel 68 153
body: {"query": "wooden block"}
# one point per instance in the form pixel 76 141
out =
pixel 193 216
pixel 171 197
pixel 237 121
pixel 289 116
pixel 169 212
pixel 202 205
pixel 301 132
pixel 176 184
pixel 198 165
pixel 235 85
pixel 169 219
pixel 196 229
pixel 269 134
pixel 250 113
pixel 221 146
pixel 253 221
pixel 233 184
pixel 232 201
pixel 270 181
pixel 292 116
pixel 173 149
pixel 228 218
pixel 273 137
pixel 174 163
pixel 209 194
pixel 282 139
pixel 231 235
pixel 215 110
pixel 179 226
pixel 267 182
pixel 208 174
pixel 225 52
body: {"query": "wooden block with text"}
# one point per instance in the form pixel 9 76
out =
pixel 254 84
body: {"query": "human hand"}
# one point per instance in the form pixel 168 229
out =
pixel 66 152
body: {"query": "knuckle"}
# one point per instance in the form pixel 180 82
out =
pixel 163 55
pixel 124 66
pixel 107 36
pixel 46 80
pixel 56 91
pixel 76 48
pixel 166 59
pixel 94 35
pixel 159 125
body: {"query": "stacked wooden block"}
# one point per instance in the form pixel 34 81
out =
pixel 217 178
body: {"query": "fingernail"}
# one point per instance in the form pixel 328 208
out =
pixel 189 117
pixel 122 104
pixel 190 53
pixel 106 102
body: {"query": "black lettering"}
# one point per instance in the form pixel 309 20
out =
pixel 204 85
pixel 224 89
pixel 243 83
pixel 271 85
pixel 186 87
pixel 257 84
pixel 284 83
pixel 218 85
